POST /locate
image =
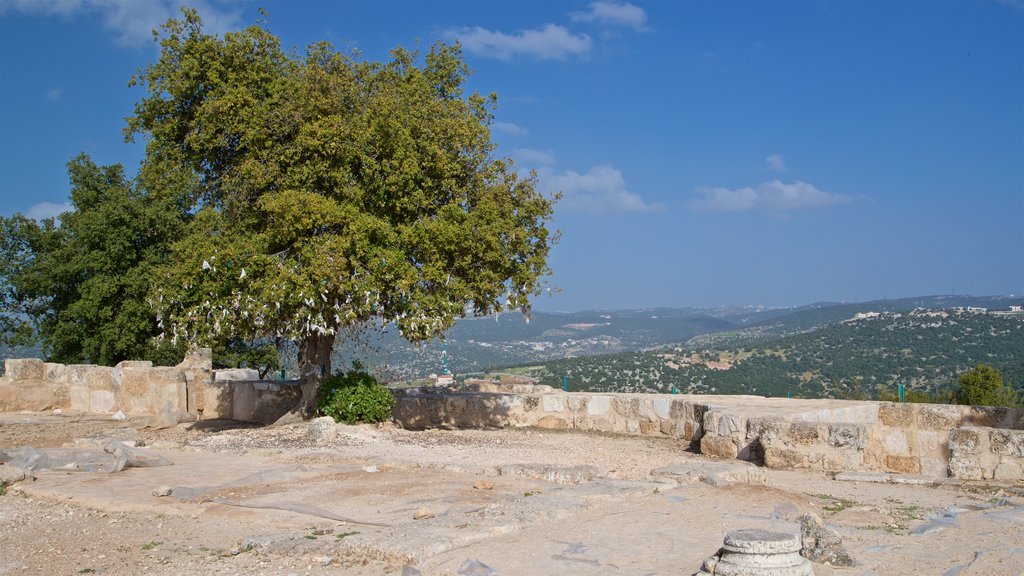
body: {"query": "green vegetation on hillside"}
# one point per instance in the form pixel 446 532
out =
pixel 924 350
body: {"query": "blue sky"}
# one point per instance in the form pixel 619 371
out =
pixel 763 153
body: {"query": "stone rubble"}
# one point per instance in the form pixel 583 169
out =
pixel 822 544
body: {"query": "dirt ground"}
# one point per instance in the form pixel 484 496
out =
pixel 369 500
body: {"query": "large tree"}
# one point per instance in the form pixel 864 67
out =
pixel 334 191
pixel 81 286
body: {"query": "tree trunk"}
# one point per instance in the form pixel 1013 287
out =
pixel 314 366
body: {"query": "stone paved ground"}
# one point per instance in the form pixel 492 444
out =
pixel 342 500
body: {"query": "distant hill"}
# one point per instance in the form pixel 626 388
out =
pixel 924 349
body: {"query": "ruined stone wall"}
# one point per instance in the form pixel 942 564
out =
pixel 983 453
pixel 161 395
pixel 831 435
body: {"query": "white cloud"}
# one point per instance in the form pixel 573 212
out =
pixel 55 94
pixel 600 190
pixel 510 128
pixel 549 42
pixel 45 210
pixel 774 196
pixel 775 162
pixel 132 21
pixel 531 157
pixel 613 13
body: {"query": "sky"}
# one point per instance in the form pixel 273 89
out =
pixel 709 153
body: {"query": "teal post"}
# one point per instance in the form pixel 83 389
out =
pixel 674 391
pixel 902 392
pixel 565 383
pixel 282 373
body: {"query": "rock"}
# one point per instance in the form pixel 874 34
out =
pixel 322 560
pixel 162 491
pixel 323 428
pixel 556 474
pixel 472 567
pixel 718 446
pixel 423 513
pixel 10 474
pixel 119 416
pixel 822 544
pixel 371 469
pixel 483 485
pixel 57 411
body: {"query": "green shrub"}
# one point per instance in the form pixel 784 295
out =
pixel 354 396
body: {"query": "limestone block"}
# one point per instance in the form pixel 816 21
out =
pixel 211 400
pixel 236 374
pixel 903 464
pixel 840 461
pixel 577 403
pixel 56 372
pixel 78 398
pixel 632 426
pixel 201 358
pixel 965 467
pixel 896 415
pixel 580 421
pixel 24 369
pixel 605 423
pixel 598 405
pixel 935 467
pixel 136 393
pixel 821 544
pixel 725 424
pixel 650 428
pixel 895 442
pixel 134 364
pixel 508 402
pixel 938 416
pixel 718 446
pixel 8 396
pixel 847 436
pixel 101 378
pixel 1007 442
pixel 668 428
pixel 36 395
pixel 1007 470
pixel 783 458
pixel 661 407
pixel 553 423
pixel 987 416
pixel 530 403
pixel 102 401
pixel 77 375
pixel 965 440
pixel 803 433
pixel 553 403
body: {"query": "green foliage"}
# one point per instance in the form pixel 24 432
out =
pixel 857 360
pixel 330 191
pixel 81 287
pixel 237 353
pixel 983 386
pixel 354 396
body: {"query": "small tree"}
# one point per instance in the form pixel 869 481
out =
pixel 332 192
pixel 81 287
pixel 983 386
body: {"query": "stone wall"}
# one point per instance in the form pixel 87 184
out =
pixel 162 396
pixel 982 453
pixel 831 435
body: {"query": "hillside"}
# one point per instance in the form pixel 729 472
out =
pixel 924 349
